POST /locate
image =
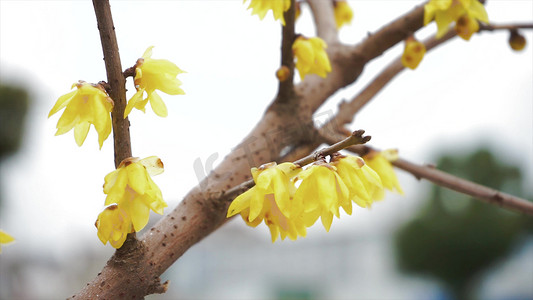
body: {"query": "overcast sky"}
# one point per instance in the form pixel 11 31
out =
pixel 461 95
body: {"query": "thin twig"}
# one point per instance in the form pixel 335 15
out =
pixel 286 86
pixel 460 185
pixel 356 138
pixel 115 79
pixel 477 191
pixel 347 110
pixel 492 27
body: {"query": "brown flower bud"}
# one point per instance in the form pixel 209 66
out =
pixel 283 73
pixel 517 41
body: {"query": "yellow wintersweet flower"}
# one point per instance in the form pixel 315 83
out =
pixel 362 182
pixel 343 13
pixel 150 75
pixel 447 11
pixel 132 189
pixel 380 162
pixel 271 200
pixel 413 53
pixel 321 193
pixel 88 104
pixel 5 238
pixel 278 7
pixel 466 26
pixel 311 57
pixel 113 225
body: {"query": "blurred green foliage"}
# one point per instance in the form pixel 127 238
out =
pixel 455 238
pixel 14 103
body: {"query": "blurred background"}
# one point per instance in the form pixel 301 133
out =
pixel 468 108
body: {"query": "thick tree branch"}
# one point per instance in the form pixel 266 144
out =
pixel 392 33
pixel 202 211
pixel 323 16
pixel 115 79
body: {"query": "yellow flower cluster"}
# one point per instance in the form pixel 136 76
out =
pixel 88 104
pixel 5 238
pixel 413 53
pixel 311 56
pixel 150 75
pixel 131 194
pixel 278 7
pixel 343 13
pixel 289 199
pixel 465 14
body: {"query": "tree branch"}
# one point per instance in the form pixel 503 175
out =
pixel 460 185
pixel 115 79
pixel 286 87
pixel 348 61
pixel 492 27
pixel 392 33
pixel 324 19
pixel 356 138
pixel 347 110
pixel 477 191
pixel 202 211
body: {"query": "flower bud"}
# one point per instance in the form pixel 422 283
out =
pixel 283 73
pixel 517 41
pixel 413 53
pixel 466 26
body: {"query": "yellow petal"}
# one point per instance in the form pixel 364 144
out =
pixel 66 122
pixel 477 11
pixel 245 215
pixel 136 98
pixel 109 181
pixel 274 232
pixel 343 13
pixel 61 102
pixel 80 132
pixel 256 203
pixel 140 214
pixel 327 219
pixel 5 238
pixel 413 53
pixel 153 165
pixel 148 52
pixel 158 67
pixel 309 218
pixel 137 177
pixel 117 190
pixel 158 106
